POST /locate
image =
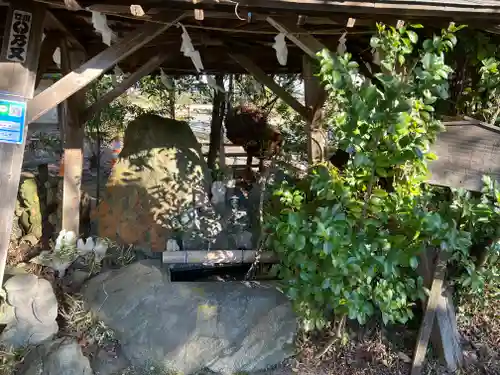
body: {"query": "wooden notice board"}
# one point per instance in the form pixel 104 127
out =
pixel 466 151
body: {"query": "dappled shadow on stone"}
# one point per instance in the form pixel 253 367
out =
pixel 159 187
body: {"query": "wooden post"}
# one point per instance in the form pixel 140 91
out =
pixel 439 322
pixel 73 144
pixel 444 334
pixel 315 97
pixel 216 124
pixel 18 65
pixel 429 315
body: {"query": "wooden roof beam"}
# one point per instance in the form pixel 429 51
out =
pixel 267 81
pixel 95 67
pixel 114 93
pixel 408 7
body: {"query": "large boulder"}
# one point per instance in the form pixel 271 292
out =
pixel 158 189
pixel 185 327
pixel 30 313
pixel 60 357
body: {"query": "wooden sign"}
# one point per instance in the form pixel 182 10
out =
pixel 466 151
pixel 12 117
pixel 19 36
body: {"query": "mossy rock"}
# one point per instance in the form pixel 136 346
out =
pixel 31 218
pixel 160 176
pixel 16 233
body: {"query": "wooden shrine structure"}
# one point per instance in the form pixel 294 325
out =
pixel 231 36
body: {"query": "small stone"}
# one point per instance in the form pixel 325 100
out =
pixel 108 363
pixel 244 240
pixel 402 356
pixel 470 358
pixel 484 351
pixel 30 239
pixel 60 357
pixel 77 278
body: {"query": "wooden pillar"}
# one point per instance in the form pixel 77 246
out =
pixel 314 97
pixel 73 143
pixel 216 124
pixel 18 66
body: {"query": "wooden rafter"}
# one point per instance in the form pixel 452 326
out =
pixel 267 81
pixel 92 69
pixel 107 98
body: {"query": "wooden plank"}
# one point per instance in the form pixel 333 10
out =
pixel 17 78
pixel 315 96
pixel 93 68
pixel 218 257
pixel 448 331
pixel 120 88
pixel 429 315
pixel 307 43
pixel 73 144
pixel 267 81
pixel 426 268
pixel 466 152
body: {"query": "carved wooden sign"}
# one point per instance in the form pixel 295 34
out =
pixel 466 151
pixel 19 36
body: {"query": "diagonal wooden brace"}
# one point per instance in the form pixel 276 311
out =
pixel 92 69
pixel 267 81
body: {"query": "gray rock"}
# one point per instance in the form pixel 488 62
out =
pixel 244 240
pixel 60 357
pixel 108 363
pixel 470 358
pixel 34 307
pixel 185 327
pixel 75 279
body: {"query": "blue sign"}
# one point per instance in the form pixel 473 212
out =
pixel 12 117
